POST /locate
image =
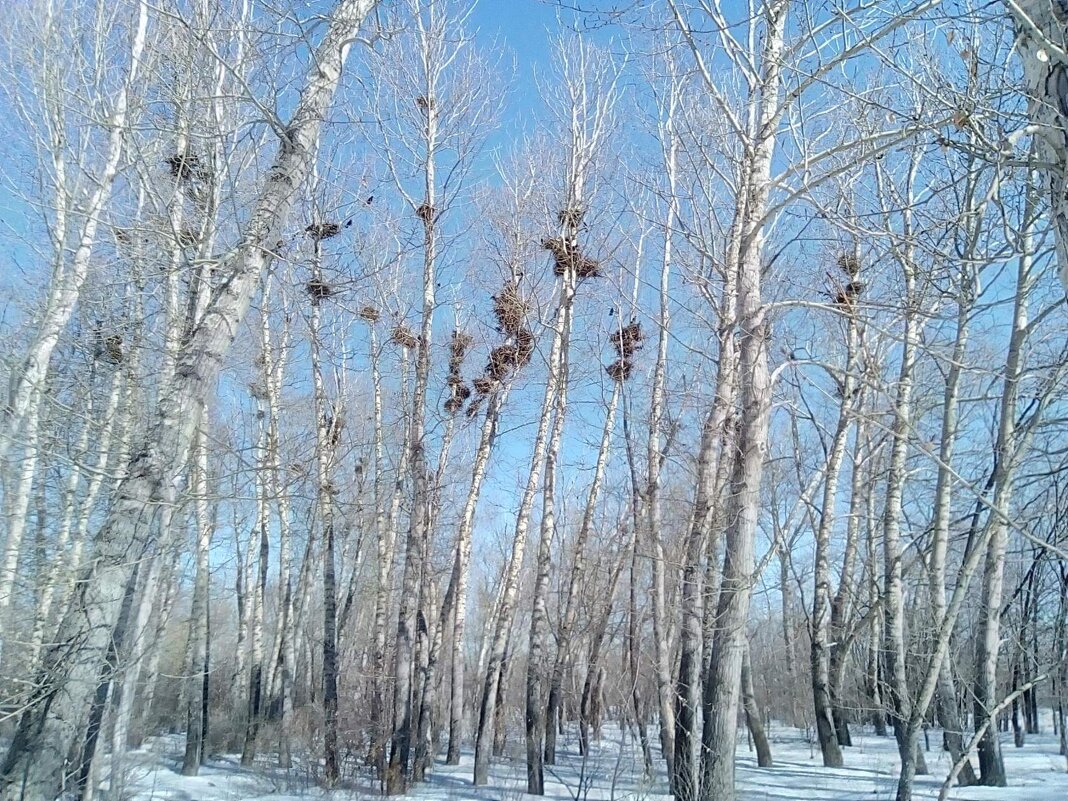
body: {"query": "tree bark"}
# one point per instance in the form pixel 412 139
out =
pixel 752 715
pixel 197 683
pixel 754 392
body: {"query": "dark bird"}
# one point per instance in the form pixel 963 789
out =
pixel 369 199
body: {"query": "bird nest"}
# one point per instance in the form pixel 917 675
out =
pixel 566 256
pixel 510 309
pixel 619 370
pixel 323 230
pixel 571 217
pixel 425 104
pixel 503 359
pixel 369 313
pixel 318 290
pixel 426 212
pixel 849 264
pixel 459 393
pixel 458 346
pixel 186 166
pixel 484 385
pixel 848 294
pixel 187 237
pixel 628 339
pixel 404 336
pixel 524 346
pixel 109 348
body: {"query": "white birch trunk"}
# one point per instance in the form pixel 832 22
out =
pixel 754 391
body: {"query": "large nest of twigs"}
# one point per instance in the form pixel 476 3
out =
pixel 524 346
pixel 425 104
pixel 459 394
pixel 458 346
pixel 323 230
pixel 849 264
pixel 510 309
pixel 484 385
pixel 426 212
pixel 404 336
pixel 187 237
pixel 109 348
pixel 588 268
pixel 369 313
pixel 566 255
pixel 186 166
pixel 619 370
pixel 503 359
pixel 848 294
pixel 571 217
pixel 318 290
pixel 628 339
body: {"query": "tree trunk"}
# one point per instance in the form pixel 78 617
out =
pixel 418 531
pixel 754 390
pixel 820 625
pixel 537 646
pixel 258 594
pixel 458 582
pixel 752 715
pixel 197 683
pixel 945 694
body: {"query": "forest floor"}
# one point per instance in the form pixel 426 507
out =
pixel 612 772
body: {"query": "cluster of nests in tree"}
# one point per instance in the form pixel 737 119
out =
pixel 459 392
pixel 510 310
pixel 187 167
pixel 567 256
pixel 846 294
pixel 627 341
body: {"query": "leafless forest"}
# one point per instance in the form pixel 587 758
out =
pixel 376 400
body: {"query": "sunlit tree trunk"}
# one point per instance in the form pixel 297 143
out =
pixel 754 403
pixel 198 674
pixel 820 624
pixel 1006 458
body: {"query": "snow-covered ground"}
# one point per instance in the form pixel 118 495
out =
pixel 612 772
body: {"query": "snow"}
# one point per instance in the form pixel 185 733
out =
pixel 612 772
